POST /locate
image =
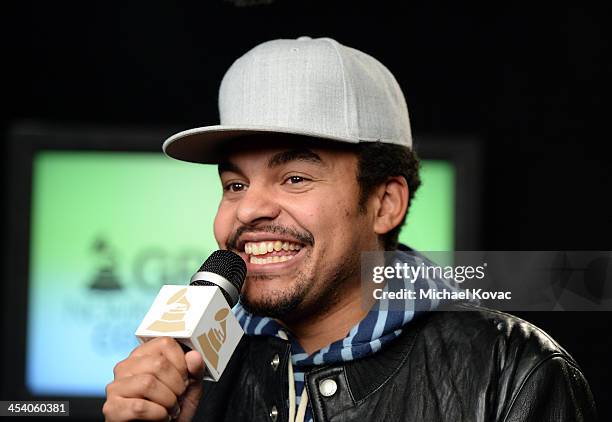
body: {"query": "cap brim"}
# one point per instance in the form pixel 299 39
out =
pixel 205 144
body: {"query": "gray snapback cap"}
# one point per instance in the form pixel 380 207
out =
pixel 312 87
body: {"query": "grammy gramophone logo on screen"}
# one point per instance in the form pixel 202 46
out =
pixel 173 319
pixel 212 341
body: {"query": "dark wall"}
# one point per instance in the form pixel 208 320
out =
pixel 529 81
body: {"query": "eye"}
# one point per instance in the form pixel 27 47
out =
pixel 293 180
pixel 234 187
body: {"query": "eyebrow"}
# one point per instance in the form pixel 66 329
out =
pixel 302 154
pixel 278 159
pixel 228 166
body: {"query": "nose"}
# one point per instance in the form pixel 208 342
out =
pixel 257 204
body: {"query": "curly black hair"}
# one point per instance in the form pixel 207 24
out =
pixel 377 162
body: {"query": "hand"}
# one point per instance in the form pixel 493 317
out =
pixel 158 381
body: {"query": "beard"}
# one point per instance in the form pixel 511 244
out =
pixel 304 299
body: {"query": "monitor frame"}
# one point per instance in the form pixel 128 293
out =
pixel 28 138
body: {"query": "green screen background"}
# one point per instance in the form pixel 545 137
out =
pixel 109 228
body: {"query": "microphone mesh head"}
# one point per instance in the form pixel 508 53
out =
pixel 228 265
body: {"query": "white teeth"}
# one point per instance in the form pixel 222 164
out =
pixel 270 259
pixel 263 248
pixel 260 248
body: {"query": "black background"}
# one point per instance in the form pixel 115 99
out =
pixel 528 80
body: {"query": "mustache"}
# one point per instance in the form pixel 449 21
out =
pixel 304 237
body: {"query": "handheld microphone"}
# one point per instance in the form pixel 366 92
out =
pixel 199 316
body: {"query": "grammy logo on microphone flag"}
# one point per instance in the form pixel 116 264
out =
pixel 199 318
pixel 174 318
pixel 212 341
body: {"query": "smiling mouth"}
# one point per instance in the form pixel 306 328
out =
pixel 271 251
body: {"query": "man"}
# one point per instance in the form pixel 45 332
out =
pixel 315 161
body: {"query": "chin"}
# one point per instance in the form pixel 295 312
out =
pixel 273 303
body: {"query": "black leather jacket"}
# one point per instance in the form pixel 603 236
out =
pixel 477 365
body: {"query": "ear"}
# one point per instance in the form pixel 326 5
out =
pixel 392 204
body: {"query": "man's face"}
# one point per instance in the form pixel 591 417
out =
pixel 292 213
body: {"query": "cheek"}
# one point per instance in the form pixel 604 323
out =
pixel 337 221
pixel 223 224
pixel 348 225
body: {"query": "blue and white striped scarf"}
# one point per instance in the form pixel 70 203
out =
pixel 381 326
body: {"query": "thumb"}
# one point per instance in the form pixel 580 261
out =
pixel 195 365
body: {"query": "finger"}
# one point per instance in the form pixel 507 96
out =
pixel 143 386
pixel 125 409
pixel 195 365
pixel 166 346
pixel 157 365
